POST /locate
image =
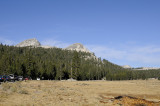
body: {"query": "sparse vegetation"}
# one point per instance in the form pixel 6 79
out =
pixel 23 91
pixel 68 93
pixel 14 88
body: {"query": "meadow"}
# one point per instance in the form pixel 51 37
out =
pixel 80 93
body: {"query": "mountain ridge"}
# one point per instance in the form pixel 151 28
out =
pixel 29 42
pixel 76 46
pixel 35 43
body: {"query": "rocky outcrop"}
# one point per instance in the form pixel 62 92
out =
pixel 30 42
pixel 35 43
pixel 78 47
pixel 47 47
pixel 127 66
pixel 147 68
pixel 140 68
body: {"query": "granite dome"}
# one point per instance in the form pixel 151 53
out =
pixel 29 42
pixel 78 47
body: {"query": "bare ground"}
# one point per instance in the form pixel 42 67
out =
pixel 81 93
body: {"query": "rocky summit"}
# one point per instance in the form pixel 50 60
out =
pixel 35 43
pixel 78 47
pixel 127 66
pixel 30 42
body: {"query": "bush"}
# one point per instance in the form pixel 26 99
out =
pixel 6 86
pixel 14 87
pixel 23 91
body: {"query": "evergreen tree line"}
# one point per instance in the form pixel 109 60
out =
pixel 58 64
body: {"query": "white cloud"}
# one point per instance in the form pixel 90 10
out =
pixel 56 43
pixel 106 52
pixel 135 54
pixel 7 42
pixel 146 49
pixel 131 53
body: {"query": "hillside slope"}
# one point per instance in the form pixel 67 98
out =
pixel 56 63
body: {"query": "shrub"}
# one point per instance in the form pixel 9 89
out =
pixel 14 87
pixel 23 91
pixel 6 86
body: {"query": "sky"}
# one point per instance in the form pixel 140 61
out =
pixel 125 32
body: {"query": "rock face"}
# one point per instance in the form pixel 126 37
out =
pixel 35 43
pixel 46 46
pixel 78 47
pixel 30 42
pixel 147 68
pixel 126 66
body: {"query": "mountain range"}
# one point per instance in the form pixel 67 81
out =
pixel 35 43
pixel 77 47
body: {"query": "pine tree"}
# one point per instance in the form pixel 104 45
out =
pixel 76 65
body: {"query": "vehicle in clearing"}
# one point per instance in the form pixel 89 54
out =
pixel 1 78
pixel 6 78
pixel 20 78
pixel 13 77
pixel 38 79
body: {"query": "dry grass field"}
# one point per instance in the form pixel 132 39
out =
pixel 81 93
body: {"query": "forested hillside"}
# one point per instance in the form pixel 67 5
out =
pixel 57 64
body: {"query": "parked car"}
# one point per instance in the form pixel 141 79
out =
pixel 38 79
pixel 11 76
pixel 1 78
pixel 20 78
pixel 27 78
pixel 6 78
pixel 15 78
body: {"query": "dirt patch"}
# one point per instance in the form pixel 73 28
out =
pixel 133 101
pixel 127 101
pixel 149 97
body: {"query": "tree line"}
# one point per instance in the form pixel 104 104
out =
pixel 58 64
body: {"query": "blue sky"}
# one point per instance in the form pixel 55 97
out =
pixel 125 32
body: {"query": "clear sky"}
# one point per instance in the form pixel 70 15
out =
pixel 125 32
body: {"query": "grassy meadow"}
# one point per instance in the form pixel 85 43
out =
pixel 81 93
